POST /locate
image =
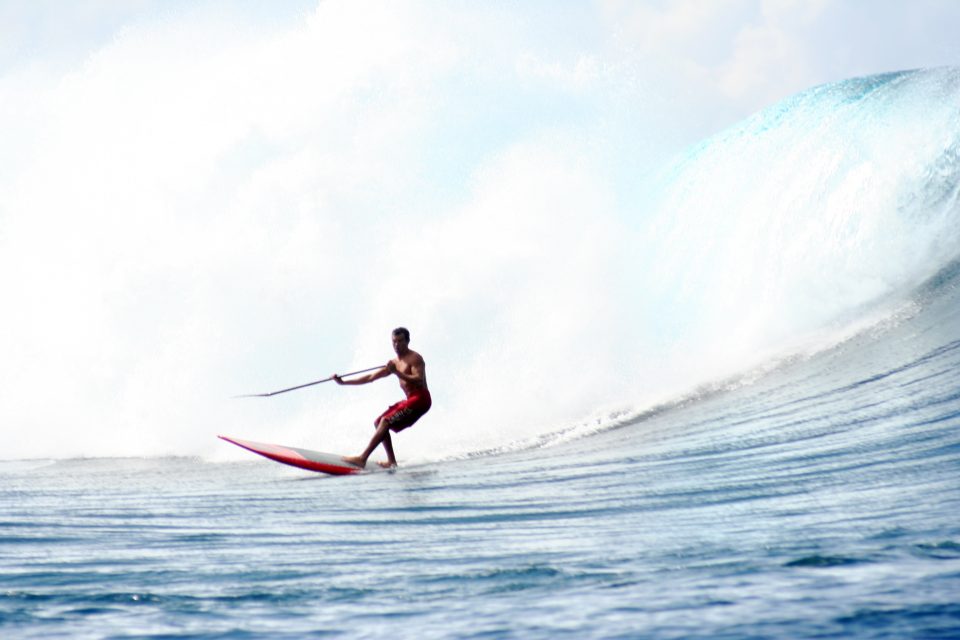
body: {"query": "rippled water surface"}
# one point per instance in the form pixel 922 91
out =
pixel 818 501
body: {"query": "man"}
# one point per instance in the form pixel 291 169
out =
pixel 409 367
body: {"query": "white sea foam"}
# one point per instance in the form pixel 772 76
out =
pixel 186 219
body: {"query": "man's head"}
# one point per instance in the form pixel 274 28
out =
pixel 401 340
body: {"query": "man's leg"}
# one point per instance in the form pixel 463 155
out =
pixel 382 433
pixel 388 447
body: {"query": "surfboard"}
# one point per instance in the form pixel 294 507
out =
pixel 302 458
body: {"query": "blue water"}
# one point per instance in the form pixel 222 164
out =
pixel 817 497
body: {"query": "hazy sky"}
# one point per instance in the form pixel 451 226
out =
pixel 200 199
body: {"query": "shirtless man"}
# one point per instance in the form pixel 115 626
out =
pixel 409 367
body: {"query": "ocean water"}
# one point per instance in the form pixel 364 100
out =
pixel 821 500
pixel 814 496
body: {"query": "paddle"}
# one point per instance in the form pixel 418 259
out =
pixel 309 384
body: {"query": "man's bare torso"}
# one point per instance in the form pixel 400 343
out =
pixel 411 363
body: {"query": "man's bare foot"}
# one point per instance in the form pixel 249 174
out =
pixel 387 465
pixel 356 461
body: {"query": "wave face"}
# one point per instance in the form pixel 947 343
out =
pixel 792 231
pixel 815 498
pixel 805 217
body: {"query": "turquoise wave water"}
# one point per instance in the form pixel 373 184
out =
pixel 806 216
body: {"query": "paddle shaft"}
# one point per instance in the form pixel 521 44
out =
pixel 309 384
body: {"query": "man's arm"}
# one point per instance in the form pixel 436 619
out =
pixel 370 377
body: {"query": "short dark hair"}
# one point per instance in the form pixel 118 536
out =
pixel 402 331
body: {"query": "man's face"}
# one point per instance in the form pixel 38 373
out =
pixel 400 344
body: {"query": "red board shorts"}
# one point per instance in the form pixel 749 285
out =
pixel 403 414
